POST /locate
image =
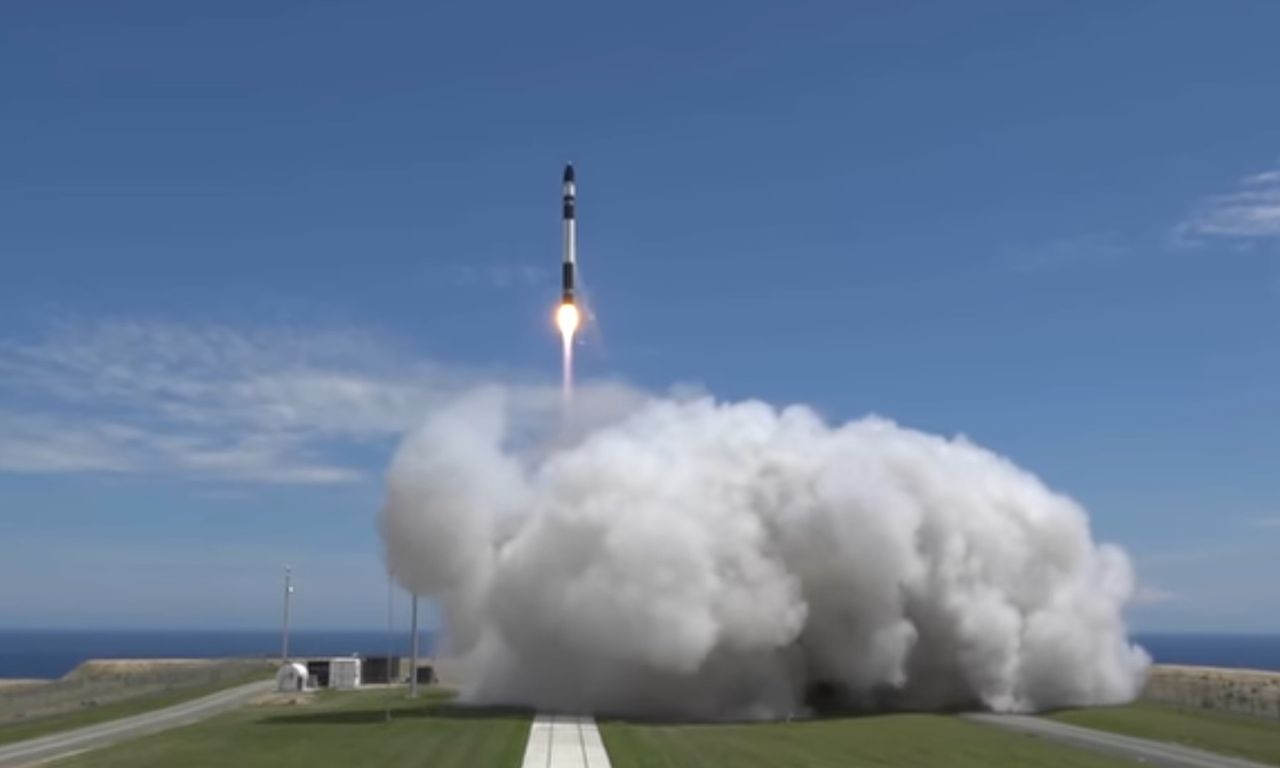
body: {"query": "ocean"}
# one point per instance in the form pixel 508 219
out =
pixel 53 653
pixel 1210 650
pixel 27 653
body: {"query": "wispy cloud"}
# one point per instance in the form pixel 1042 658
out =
pixel 500 276
pixel 1268 522
pixel 1149 595
pixel 39 444
pixel 135 583
pixel 263 406
pixel 1067 252
pixel 1251 211
pixel 1178 558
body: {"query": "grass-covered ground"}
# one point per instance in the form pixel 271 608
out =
pixel 350 728
pixel 918 741
pixel 21 730
pixel 1240 735
pixel 334 729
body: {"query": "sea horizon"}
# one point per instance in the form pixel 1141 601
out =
pixel 30 653
pixel 51 653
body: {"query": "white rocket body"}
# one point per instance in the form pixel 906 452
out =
pixel 569 265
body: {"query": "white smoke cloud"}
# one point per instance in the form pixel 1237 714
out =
pixel 692 558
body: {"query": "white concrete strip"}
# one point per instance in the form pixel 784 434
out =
pixel 593 746
pixel 537 753
pixel 564 741
pixel 1145 750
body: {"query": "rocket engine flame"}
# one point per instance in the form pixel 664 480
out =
pixel 567 320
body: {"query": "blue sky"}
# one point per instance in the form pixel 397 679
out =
pixel 245 245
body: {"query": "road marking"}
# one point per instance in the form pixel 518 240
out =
pixel 564 741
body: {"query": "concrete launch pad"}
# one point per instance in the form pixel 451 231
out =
pixel 564 741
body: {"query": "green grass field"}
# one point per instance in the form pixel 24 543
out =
pixel 918 741
pixel 350 728
pixel 31 729
pixel 1240 735
pixel 335 729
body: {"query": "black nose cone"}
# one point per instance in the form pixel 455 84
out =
pixel 568 172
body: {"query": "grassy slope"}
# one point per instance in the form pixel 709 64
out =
pixel 1250 737
pixel 30 729
pixel 337 729
pixel 907 740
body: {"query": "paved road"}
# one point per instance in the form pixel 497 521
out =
pixel 564 741
pixel 90 737
pixel 1147 751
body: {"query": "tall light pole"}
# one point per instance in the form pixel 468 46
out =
pixel 284 630
pixel 413 652
pixel 390 643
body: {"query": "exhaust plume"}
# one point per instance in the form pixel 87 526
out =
pixel 727 560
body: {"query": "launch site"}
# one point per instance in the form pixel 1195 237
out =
pixel 567 385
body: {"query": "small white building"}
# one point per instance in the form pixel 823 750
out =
pixel 291 677
pixel 344 673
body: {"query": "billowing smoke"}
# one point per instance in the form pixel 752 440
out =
pixel 701 559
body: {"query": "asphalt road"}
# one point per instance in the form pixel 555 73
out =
pixel 1144 750
pixel 90 737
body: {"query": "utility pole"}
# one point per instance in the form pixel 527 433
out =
pixel 390 644
pixel 413 652
pixel 284 631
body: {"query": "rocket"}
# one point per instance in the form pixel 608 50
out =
pixel 569 265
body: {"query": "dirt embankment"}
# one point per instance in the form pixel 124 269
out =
pixel 103 681
pixel 1244 691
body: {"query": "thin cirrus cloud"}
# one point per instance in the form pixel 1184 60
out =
pixel 40 444
pixel 1251 211
pixel 499 276
pixel 1149 595
pixel 1097 250
pixel 277 406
